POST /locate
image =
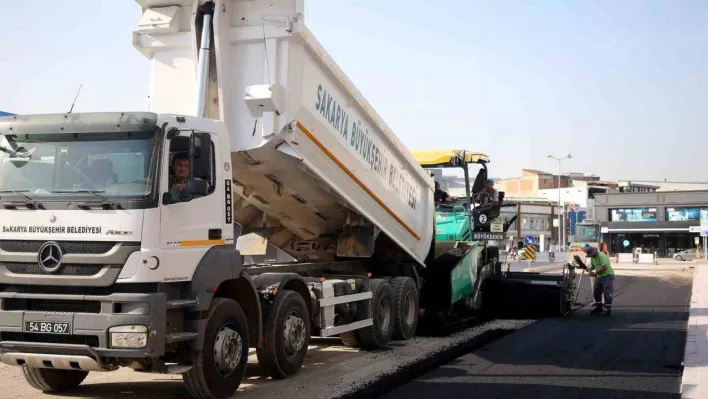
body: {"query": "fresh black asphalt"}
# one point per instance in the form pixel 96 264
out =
pixel 635 353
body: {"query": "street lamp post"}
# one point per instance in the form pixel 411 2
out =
pixel 561 219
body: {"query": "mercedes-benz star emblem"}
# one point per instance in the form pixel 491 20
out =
pixel 52 218
pixel 49 257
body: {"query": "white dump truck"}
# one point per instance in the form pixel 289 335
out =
pixel 123 233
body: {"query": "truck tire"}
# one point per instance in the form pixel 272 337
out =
pixel 406 307
pixel 220 364
pixel 53 380
pixel 350 339
pixel 286 336
pixel 383 312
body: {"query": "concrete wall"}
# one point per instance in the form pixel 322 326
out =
pixel 570 195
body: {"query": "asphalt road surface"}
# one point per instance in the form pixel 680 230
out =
pixel 635 353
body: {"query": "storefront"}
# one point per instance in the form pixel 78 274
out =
pixel 664 243
pixel 650 222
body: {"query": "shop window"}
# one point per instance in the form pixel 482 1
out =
pixel 684 214
pixel 633 215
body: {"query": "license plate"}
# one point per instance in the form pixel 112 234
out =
pixel 47 327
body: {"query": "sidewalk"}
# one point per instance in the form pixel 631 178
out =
pixel 694 384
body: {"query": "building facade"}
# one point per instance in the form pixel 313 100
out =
pixel 533 219
pixel 650 221
pixel 530 182
pixel 650 186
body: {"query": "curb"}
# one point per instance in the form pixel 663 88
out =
pixel 695 358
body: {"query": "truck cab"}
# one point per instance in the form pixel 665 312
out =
pixel 586 232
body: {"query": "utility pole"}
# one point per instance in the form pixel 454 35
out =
pixel 561 218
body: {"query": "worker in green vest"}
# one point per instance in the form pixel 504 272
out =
pixel 604 276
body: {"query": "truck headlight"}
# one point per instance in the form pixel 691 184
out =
pixel 128 336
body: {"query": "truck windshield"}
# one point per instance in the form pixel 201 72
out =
pixel 56 165
pixel 587 233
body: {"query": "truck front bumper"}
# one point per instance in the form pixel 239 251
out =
pixel 86 345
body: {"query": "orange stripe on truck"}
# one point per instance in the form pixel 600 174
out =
pixel 356 179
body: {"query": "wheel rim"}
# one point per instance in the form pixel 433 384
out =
pixel 227 350
pixel 409 306
pixel 293 334
pixel 384 313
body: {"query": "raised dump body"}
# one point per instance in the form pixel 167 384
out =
pixel 315 169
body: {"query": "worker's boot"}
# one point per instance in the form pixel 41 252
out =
pixel 607 312
pixel 598 309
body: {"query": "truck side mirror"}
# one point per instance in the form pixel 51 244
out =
pixel 198 187
pixel 199 155
pixel 198 142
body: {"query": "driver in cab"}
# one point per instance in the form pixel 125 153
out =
pixel 489 196
pixel 441 197
pixel 179 176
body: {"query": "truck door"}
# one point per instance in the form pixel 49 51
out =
pixel 190 223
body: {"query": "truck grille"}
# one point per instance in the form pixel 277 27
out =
pixel 66 270
pixel 51 305
pixel 67 247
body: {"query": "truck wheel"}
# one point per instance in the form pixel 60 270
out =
pixel 383 313
pixel 350 339
pixel 53 380
pixel 220 364
pixel 406 306
pixel 286 336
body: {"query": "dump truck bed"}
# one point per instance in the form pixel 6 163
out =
pixel 318 157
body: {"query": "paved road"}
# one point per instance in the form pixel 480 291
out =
pixel 635 353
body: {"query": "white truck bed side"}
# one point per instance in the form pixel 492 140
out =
pixel 323 157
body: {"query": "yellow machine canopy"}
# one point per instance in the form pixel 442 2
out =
pixel 448 158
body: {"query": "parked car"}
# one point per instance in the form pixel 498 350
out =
pixel 687 254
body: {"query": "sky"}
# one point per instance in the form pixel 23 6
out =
pixel 621 86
